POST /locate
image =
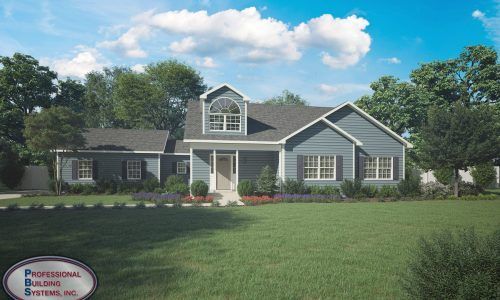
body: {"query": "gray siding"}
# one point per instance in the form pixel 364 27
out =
pixel 252 162
pixel 166 166
pixel 201 166
pixel 224 92
pixel 376 142
pixel 318 139
pixel 109 165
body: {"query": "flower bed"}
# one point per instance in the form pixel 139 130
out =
pixel 306 198
pixel 156 197
pixel 198 199
pixel 259 200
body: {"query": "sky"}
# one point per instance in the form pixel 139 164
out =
pixel 326 51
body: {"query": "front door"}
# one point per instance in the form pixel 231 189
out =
pixel 223 172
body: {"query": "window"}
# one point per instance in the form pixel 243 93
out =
pixel 225 115
pixel 181 167
pixel 378 168
pixel 134 169
pixel 85 169
pixel 319 167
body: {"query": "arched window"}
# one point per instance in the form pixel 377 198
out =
pixel 225 115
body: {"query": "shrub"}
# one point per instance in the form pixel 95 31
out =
pixel 292 186
pixel 155 197
pixel 388 191
pixel 150 184
pixel 454 266
pixel 119 205
pixel 13 206
pixel 259 200
pixel 107 186
pixel 36 205
pixel 76 188
pixel 198 199
pixel 246 188
pixel 126 187
pixel 306 198
pixel 173 180
pixel 88 189
pixel 483 174
pixel 369 191
pixel 231 203
pixel 351 188
pixel 179 188
pixel 59 205
pixel 98 205
pixel 469 189
pixel 444 175
pixel 215 203
pixel 140 205
pixel 199 188
pixel 65 187
pixel 330 190
pixel 435 190
pixel 266 182
pixel 410 186
pixel 11 168
pixel 159 190
pixel 79 206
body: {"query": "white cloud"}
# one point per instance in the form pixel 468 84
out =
pixel 343 88
pixel 85 60
pixel 491 24
pixel 245 35
pixel 206 62
pixel 391 60
pixel 139 68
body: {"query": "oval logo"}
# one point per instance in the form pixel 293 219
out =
pixel 50 277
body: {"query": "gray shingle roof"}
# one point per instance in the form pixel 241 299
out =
pixel 125 139
pixel 265 122
pixel 177 146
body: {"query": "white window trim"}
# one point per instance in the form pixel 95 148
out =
pixel 180 163
pixel 128 169
pixel 91 169
pixel 319 169
pixel 224 123
pixel 377 169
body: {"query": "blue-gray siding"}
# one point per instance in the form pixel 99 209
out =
pixel 169 166
pixel 109 165
pixel 201 166
pixel 252 162
pixel 318 139
pixel 376 142
pixel 224 92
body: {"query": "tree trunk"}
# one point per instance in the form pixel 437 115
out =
pixel 455 182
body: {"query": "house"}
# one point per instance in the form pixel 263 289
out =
pixel 228 138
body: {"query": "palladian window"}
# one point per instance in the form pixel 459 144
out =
pixel 225 115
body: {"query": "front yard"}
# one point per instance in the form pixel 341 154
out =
pixel 68 200
pixel 287 251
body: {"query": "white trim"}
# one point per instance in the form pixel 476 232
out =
pixel 343 132
pixel 246 118
pixel 404 170
pixel 140 169
pixel 231 142
pixel 283 161
pixel 177 168
pixel 190 166
pixel 353 161
pixel 377 169
pixel 233 147
pixel 91 169
pixel 159 169
pixel 214 160
pixel 203 117
pixel 237 179
pixel 319 168
pixel 166 141
pixel 58 175
pixel 225 115
pixel 179 153
pixel 113 151
pixel 205 95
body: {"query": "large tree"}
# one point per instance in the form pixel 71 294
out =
pixel 26 84
pixel 286 98
pixel 11 122
pixel 459 137
pixel 53 129
pixel 70 93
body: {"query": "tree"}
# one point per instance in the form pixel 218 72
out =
pixel 11 122
pixel 484 174
pixel 70 93
pixel 26 84
pixel 266 182
pixel 459 137
pixel 53 129
pixel 444 175
pixel 11 169
pixel 287 98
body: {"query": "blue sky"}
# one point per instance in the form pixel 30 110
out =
pixel 327 51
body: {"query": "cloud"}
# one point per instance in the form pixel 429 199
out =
pixel 491 24
pixel 244 35
pixel 343 88
pixel 391 60
pixel 206 62
pixel 139 68
pixel 85 60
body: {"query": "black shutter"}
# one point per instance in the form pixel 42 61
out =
pixel 143 169
pixel 340 168
pixel 174 167
pixel 74 169
pixel 95 170
pixel 300 167
pixel 361 167
pixel 124 170
pixel 395 168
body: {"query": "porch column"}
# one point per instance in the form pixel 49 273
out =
pixel 215 168
pixel 237 169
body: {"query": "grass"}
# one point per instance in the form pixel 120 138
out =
pixel 69 200
pixel 493 191
pixel 284 251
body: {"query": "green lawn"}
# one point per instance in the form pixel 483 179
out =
pixel 284 251
pixel 51 200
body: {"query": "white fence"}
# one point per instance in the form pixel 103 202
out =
pixel 465 175
pixel 34 178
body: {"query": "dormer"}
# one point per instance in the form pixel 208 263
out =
pixel 224 111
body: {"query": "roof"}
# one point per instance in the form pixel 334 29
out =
pixel 263 123
pixel 176 146
pixel 205 95
pixel 114 139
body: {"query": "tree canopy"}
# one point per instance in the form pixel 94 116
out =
pixel 286 98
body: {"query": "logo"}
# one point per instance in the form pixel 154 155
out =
pixel 50 277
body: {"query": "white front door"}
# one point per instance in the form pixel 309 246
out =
pixel 223 172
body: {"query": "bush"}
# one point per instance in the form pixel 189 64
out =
pixel 173 180
pixel 179 188
pixel 246 188
pixel 79 205
pixel 127 187
pixel 65 187
pixel 36 205
pixel 369 191
pixel 155 197
pixel 266 182
pixel 469 189
pixel 410 186
pixel 140 205
pixel 107 186
pixel 351 188
pixel 59 205
pixel 88 189
pixel 388 191
pixel 306 198
pixel 76 188
pixel 435 190
pixel 119 205
pixel 444 175
pixel 11 168
pixel 98 205
pixel 13 206
pixel 483 174
pixel 150 184
pixel 199 188
pixel 292 186
pixel 454 266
